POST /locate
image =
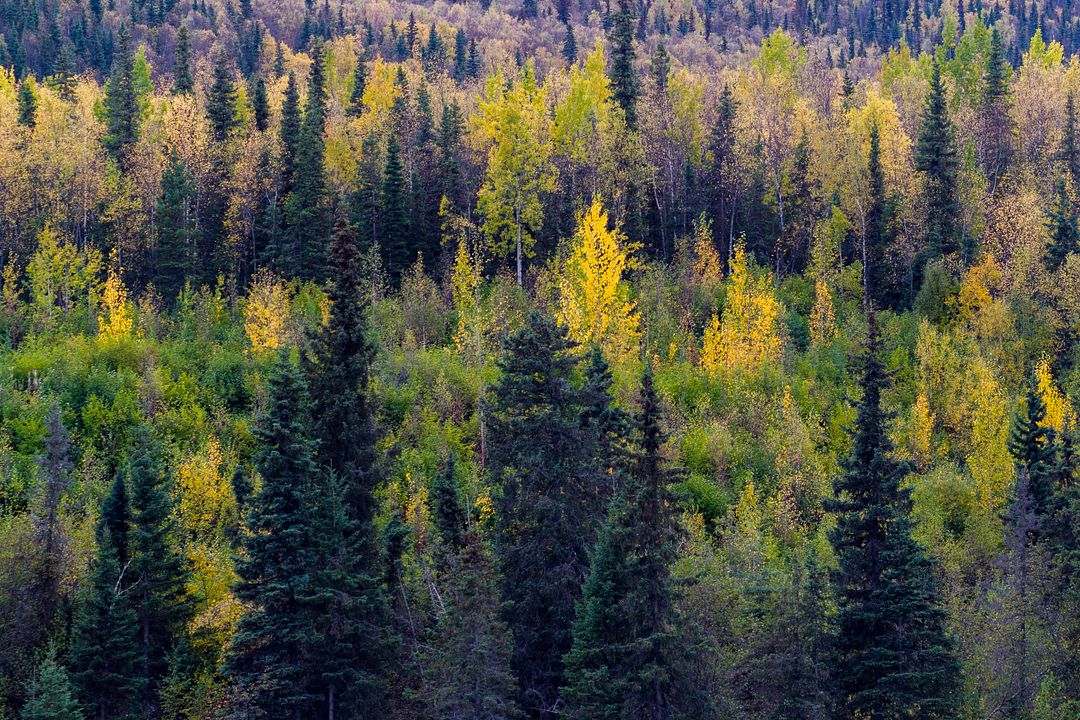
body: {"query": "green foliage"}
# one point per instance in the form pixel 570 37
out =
pixel 50 695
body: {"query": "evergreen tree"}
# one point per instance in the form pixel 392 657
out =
pixel 623 661
pixel 878 236
pixel 935 157
pixel 306 210
pixel 723 172
pixel 183 80
pixel 54 479
pixel 569 46
pixel 996 125
pixel 610 425
pixel 158 570
pixel 105 657
pixel 356 98
pixel 1063 227
pixel 121 103
pixel 446 510
pixel 260 106
pixel 625 83
pixel 542 457
pixel 1032 449
pixel 221 100
pixel 448 144
pixel 177 243
pixel 27 104
pixel 114 523
pixel 289 133
pixel 461 55
pixel 894 655
pixel 50 695
pixel 395 225
pixel 1069 154
pixel 269 660
pixel 467 664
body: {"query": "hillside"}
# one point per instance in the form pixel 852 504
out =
pixel 493 360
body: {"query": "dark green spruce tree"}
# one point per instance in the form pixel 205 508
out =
pixel 394 237
pixel 878 236
pixel 1063 226
pixel 183 80
pixel 260 106
pixel 289 133
pixel 894 656
pixel 996 128
pixel 221 100
pixel 356 97
pixel 542 456
pixel 306 210
pixel 1032 448
pixel 625 82
pixel 624 661
pixel 271 661
pixel 121 103
pixel 158 570
pixel 936 159
pixel 50 695
pixel 177 244
pixel 446 509
pixel 27 104
pixel 105 651
pixel 1069 153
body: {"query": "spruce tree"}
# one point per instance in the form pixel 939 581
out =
pixel 448 144
pixel 1063 226
pixel 289 133
pixel 1069 154
pixel 723 171
pixel 1032 449
pixel 541 455
pixel 878 236
pixel 894 656
pixel 105 657
pixel 54 479
pixel 306 210
pixel 121 104
pixel 221 100
pixel 158 570
pixel 569 46
pixel 395 225
pixel 27 116
pixel 269 661
pixel 461 55
pixel 183 80
pixel 260 106
pixel 356 98
pixel 50 695
pixel 996 125
pixel 625 83
pixel 114 522
pixel 446 509
pixel 177 244
pixel 623 663
pixel 936 158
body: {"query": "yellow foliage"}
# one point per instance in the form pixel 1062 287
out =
pixel 206 502
pixel 822 315
pixel 594 304
pixel 708 269
pixel 748 335
pixel 118 317
pixel 1059 411
pixel 922 430
pixel 266 312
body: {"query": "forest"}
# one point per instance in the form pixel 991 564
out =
pixel 539 359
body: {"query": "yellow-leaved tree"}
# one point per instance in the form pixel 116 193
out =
pixel 594 299
pixel 118 315
pixel 267 312
pixel 1059 411
pixel 748 335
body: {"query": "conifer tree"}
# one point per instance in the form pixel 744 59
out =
pixel 50 695
pixel 183 80
pixel 569 46
pixel 467 665
pixel 1033 451
pixel 894 657
pixel 356 97
pixel 448 143
pixel 625 83
pixel 461 55
pixel 623 661
pixel 158 571
pixel 394 235
pixel 723 171
pixel 1069 154
pixel 105 657
pixel 121 105
pixel 54 479
pixel 260 106
pixel 996 125
pixel 878 236
pixel 27 104
pixel 177 243
pixel 221 100
pixel 269 660
pixel 289 133
pixel 306 209
pixel 115 520
pixel 446 509
pixel 609 423
pixel 542 457
pixel 936 158
pixel 1063 226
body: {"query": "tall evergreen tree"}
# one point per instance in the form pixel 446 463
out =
pixel 1063 226
pixel 121 103
pixel 221 100
pixel 260 106
pixel 1032 449
pixel 1069 153
pixel 446 509
pixel 269 660
pixel 625 83
pixel 723 171
pixel 50 695
pixel 542 457
pixel 177 244
pixel 356 98
pixel 569 45
pixel 114 522
pixel 158 571
pixel 936 158
pixel 306 210
pixel 878 235
pixel 623 663
pixel 104 651
pixel 183 79
pixel 448 144
pixel 289 133
pixel 996 124
pixel 395 225
pixel 54 479
pixel 894 657
pixel 27 104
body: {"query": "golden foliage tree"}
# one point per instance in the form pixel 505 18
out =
pixel 266 312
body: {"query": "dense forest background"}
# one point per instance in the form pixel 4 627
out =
pixel 498 359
